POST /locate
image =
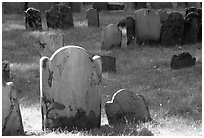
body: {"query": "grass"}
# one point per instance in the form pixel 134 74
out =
pixel 174 96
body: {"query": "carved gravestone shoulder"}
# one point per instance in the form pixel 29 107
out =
pixel 69 80
pixel 92 16
pixel 11 116
pixel 127 107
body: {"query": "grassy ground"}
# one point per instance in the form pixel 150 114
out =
pixel 174 96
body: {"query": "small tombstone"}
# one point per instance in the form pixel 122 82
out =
pixel 127 107
pixel 5 72
pixel 69 89
pixel 147 25
pixel 49 42
pixel 93 17
pixel 191 27
pixel 33 19
pixel 100 6
pixel 44 22
pixel 59 16
pixel 183 60
pixel 108 64
pixel 11 116
pixel 172 32
pixel 111 37
pixel 130 24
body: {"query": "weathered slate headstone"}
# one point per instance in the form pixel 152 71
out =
pixel 172 32
pixel 130 24
pixel 147 25
pixel 69 89
pixel 49 42
pixel 111 37
pixel 93 17
pixel 33 19
pixel 11 116
pixel 127 107
pixel 59 16
pixel 183 60
pixel 5 72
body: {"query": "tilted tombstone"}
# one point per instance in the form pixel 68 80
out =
pixel 191 27
pixel 111 37
pixel 49 42
pixel 11 116
pixel 33 19
pixel 172 32
pixel 93 17
pixel 147 25
pixel 59 16
pixel 130 24
pixel 127 107
pixel 69 89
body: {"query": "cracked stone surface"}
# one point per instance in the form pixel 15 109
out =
pixel 11 116
pixel 70 84
pixel 127 107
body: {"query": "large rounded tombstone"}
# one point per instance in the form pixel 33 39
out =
pixel 191 27
pixel 130 24
pixel 92 16
pixel 147 25
pixel 49 42
pixel 70 84
pixel 173 30
pixel 111 37
pixel 127 107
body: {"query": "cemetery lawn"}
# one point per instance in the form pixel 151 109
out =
pixel 174 97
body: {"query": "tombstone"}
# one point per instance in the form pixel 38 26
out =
pixel 44 22
pixel 11 116
pixel 69 89
pixel 147 25
pixel 49 42
pixel 191 28
pixel 108 63
pixel 59 16
pixel 93 17
pixel 100 6
pixel 111 37
pixel 33 19
pixel 183 60
pixel 5 72
pixel 12 7
pixel 127 107
pixel 130 24
pixel 172 32
pixel 161 5
pixel 98 60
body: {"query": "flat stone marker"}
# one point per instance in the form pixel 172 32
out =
pixel 92 16
pixel 127 107
pixel 11 116
pixel 69 89
pixel 111 37
pixel 49 42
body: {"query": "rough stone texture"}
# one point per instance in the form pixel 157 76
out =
pixel 5 72
pixel 127 107
pixel 130 24
pixel 191 28
pixel 70 84
pixel 147 25
pixel 172 32
pixel 59 16
pixel 183 60
pixel 111 37
pixel 12 7
pixel 100 6
pixel 161 5
pixel 92 16
pixel 49 42
pixel 33 19
pixel 11 116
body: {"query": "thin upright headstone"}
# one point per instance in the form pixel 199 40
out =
pixel 130 24
pixel 92 16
